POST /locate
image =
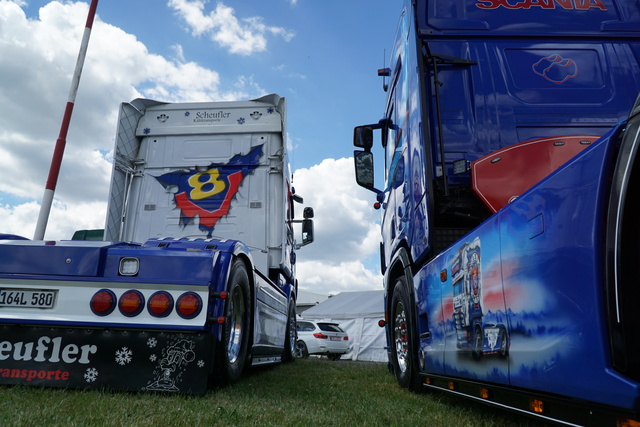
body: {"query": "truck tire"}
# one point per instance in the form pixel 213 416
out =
pixel 291 335
pixel 478 343
pixel 504 343
pixel 231 353
pixel 403 346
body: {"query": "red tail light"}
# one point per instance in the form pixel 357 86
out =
pixel 103 302
pixel 131 303
pixel 320 336
pixel 160 304
pixel 346 338
pixel 189 305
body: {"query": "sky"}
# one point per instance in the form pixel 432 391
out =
pixel 322 56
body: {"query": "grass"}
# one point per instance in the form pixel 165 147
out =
pixel 313 392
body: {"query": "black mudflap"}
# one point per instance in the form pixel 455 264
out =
pixel 99 358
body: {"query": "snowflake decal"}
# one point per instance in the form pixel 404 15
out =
pixel 123 356
pixel 151 342
pixel 270 110
pixel 200 363
pixel 241 121
pixel 146 131
pixel 153 357
pixel 187 114
pixel 90 375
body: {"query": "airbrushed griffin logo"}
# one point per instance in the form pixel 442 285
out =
pixel 208 194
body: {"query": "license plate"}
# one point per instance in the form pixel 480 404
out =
pixel 336 339
pixel 27 298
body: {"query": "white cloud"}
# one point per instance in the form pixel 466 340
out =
pixel 119 68
pixel 63 222
pixel 239 36
pixel 333 278
pixel 345 229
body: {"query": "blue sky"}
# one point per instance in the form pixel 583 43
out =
pixel 321 56
pixel 325 63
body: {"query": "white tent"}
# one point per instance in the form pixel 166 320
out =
pixel 358 314
pixel 305 300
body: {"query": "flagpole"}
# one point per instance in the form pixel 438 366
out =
pixel 58 152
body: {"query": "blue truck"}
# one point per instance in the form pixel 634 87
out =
pixel 192 279
pixel 510 232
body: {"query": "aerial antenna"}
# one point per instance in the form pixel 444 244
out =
pixel 56 161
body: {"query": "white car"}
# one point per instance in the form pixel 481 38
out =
pixel 322 338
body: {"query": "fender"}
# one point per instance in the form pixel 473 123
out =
pixel 401 265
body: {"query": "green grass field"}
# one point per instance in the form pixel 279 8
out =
pixel 312 392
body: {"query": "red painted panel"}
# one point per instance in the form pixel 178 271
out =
pixel 498 178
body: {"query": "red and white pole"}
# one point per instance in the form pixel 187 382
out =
pixel 58 152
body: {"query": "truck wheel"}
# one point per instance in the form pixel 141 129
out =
pixel 403 349
pixel 478 343
pixel 301 350
pixel 504 343
pixel 291 335
pixel 232 351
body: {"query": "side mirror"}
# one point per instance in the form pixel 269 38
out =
pixel 363 137
pixel 307 213
pixel 364 168
pixel 307 231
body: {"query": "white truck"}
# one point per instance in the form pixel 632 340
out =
pixel 194 277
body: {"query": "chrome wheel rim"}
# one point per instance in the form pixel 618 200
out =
pixel 235 318
pixel 478 342
pixel 292 335
pixel 400 337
